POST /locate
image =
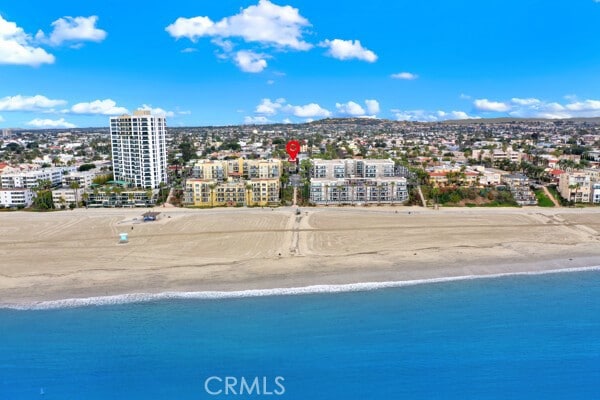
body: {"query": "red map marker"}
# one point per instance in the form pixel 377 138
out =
pixel 292 147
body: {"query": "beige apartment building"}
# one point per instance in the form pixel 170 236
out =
pixel 576 186
pixel 237 182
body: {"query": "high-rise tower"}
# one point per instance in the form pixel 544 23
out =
pixel 139 151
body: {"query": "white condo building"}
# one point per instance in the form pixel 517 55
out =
pixel 362 181
pixel 139 151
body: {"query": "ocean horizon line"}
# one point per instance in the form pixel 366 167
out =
pixel 130 298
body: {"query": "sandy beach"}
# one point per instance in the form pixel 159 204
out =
pixel 76 254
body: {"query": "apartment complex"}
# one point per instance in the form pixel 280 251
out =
pixel 577 186
pixel 351 181
pixel 31 179
pixel 16 197
pixel 234 183
pixel 139 152
pixel 118 198
pixel 520 187
pixel 83 179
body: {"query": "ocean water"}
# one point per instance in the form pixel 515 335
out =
pixel 517 337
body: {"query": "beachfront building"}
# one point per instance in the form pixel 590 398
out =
pixel 520 187
pixel 64 197
pixel 352 181
pixel 236 182
pixel 596 193
pixel 120 198
pixel 240 192
pixel 139 151
pixel 575 186
pixel 221 170
pixel 31 179
pixel 16 197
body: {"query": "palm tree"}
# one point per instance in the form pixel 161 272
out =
pixel 248 194
pixel 149 196
pixel 85 197
pixel 212 187
pixel 393 183
pixel 63 202
pixel 75 185
pixel 326 193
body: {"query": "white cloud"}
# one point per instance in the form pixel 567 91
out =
pixel 287 121
pixel 427 116
pixel 536 108
pixel 69 29
pixel 553 110
pixel 51 123
pixel 1 118
pixel 464 96
pixel 248 61
pixel 157 111
pixel 269 107
pixel 28 103
pixel 372 107
pixel 487 105
pixel 348 49
pixel 524 102
pixel 350 108
pixel 103 107
pixel 265 23
pixel 17 48
pixel 311 110
pixel 189 50
pixel 405 75
pixel 587 105
pixel 256 120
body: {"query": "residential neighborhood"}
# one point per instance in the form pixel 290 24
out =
pixel 351 161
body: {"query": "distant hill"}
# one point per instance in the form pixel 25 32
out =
pixel 357 122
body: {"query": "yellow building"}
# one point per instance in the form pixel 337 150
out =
pixel 210 193
pixel 234 182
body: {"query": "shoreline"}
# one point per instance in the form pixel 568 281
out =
pixel 62 257
pixel 137 298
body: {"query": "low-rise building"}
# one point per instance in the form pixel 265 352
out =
pixel 575 186
pixel 356 181
pixel 520 187
pixel 16 197
pixel 120 198
pixel 234 192
pixel 234 182
pixel 83 179
pixel 31 179
pixel 596 193
pixel 65 196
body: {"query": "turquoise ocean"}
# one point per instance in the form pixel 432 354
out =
pixel 509 337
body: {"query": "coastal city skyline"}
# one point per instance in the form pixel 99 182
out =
pixel 74 65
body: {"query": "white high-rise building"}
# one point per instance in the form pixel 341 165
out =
pixel 139 151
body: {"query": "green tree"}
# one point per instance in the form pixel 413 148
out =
pixel 75 185
pixel 43 200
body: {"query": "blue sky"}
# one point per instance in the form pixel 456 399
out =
pixel 66 63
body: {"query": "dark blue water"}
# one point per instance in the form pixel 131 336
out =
pixel 513 337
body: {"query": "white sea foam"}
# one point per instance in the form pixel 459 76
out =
pixel 315 289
